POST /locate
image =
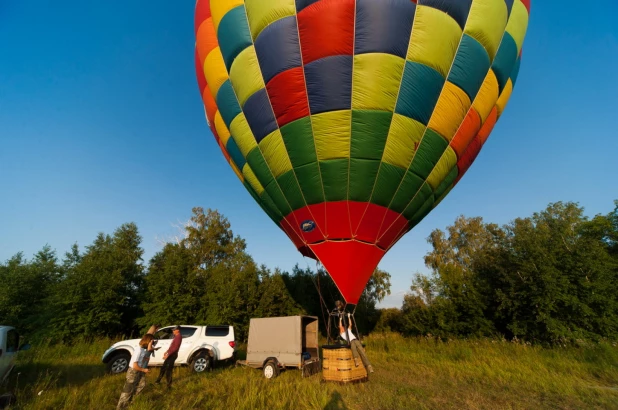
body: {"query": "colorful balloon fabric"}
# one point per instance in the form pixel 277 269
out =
pixel 348 121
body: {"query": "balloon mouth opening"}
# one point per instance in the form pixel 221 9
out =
pixel 306 250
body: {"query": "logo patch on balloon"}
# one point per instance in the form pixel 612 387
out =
pixel 307 226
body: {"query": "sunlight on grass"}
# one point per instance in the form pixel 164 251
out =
pixel 421 373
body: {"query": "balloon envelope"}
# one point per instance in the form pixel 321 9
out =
pixel 348 121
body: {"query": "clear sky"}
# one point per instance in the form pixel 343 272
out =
pixel 101 123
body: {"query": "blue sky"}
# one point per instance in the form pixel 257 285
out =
pixel 101 123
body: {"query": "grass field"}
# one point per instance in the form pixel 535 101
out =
pixel 409 374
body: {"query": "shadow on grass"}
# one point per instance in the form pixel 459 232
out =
pixel 64 375
pixel 54 375
pixel 336 402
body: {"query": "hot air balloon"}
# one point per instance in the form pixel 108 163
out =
pixel 348 121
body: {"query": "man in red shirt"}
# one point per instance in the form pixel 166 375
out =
pixel 170 357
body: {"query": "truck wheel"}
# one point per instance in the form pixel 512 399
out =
pixel 270 370
pixel 201 362
pixel 119 363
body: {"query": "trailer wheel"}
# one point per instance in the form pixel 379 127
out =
pixel 270 370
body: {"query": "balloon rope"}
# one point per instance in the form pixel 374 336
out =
pixel 326 323
pixel 347 329
pixel 322 302
pixel 355 325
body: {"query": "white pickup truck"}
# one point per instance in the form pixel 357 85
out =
pixel 9 346
pixel 201 346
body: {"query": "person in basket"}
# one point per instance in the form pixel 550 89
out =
pixel 357 348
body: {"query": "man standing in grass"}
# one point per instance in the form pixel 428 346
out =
pixel 169 358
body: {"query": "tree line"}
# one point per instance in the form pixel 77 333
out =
pixel 550 278
pixel 206 277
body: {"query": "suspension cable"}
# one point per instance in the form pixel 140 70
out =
pixel 322 304
pixel 318 288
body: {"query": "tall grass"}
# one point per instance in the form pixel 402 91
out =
pixel 421 373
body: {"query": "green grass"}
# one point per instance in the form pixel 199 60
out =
pixel 409 374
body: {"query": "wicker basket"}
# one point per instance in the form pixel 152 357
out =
pixel 338 365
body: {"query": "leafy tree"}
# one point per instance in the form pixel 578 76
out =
pixel 378 287
pixel 208 278
pixel 605 229
pixel 274 298
pixel 101 292
pixel 71 259
pixel 549 278
pixel 210 239
pixel 389 321
pixel 553 278
pixel 233 293
pixel 304 285
pixel 175 288
pixel 24 288
pixel 451 301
